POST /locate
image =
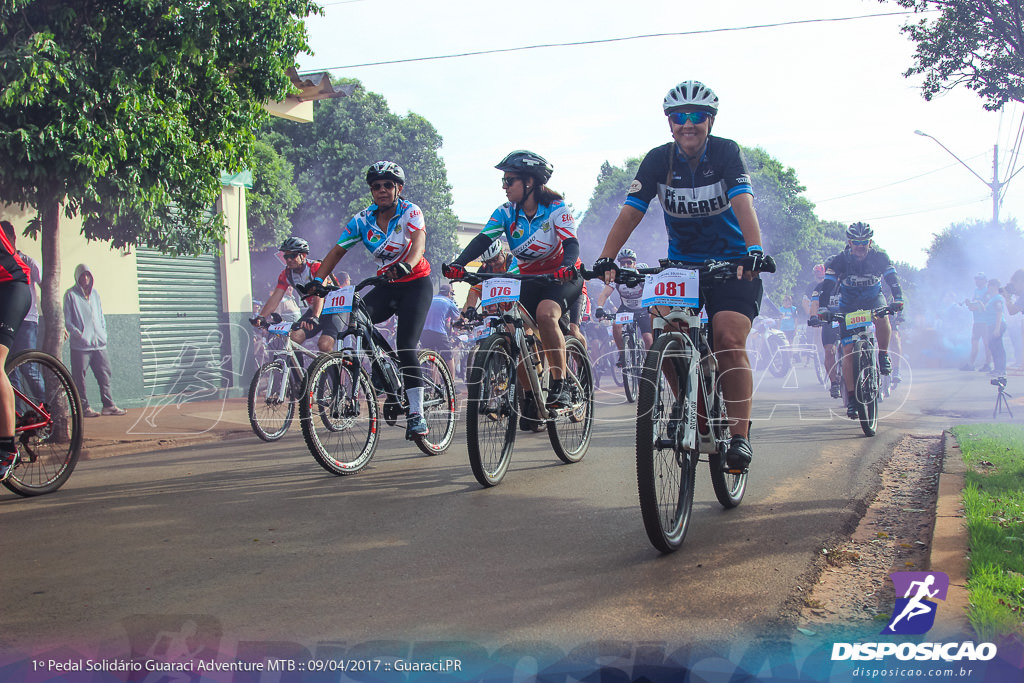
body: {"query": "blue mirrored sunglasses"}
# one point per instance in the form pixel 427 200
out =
pixel 860 243
pixel 680 118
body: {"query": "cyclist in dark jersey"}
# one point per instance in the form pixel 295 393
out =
pixel 15 300
pixel 858 273
pixel 703 185
pixel 829 333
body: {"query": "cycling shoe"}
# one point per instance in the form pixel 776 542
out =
pixel 738 456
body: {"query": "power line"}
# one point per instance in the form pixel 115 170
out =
pixel 598 41
pixel 931 210
pixel 895 182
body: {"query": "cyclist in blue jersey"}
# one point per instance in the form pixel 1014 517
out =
pixel 15 300
pixel 541 234
pixel 392 229
pixel 703 185
pixel 858 273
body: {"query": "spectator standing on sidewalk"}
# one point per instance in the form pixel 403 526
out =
pixel 87 332
pixel 980 331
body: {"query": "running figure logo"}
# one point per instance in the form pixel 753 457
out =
pixel 914 613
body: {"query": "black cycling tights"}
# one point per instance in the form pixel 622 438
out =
pixel 15 300
pixel 410 301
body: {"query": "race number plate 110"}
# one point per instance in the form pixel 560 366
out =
pixel 499 290
pixel 340 300
pixel 672 287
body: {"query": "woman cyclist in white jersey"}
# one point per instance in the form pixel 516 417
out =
pixel 392 229
pixel 541 234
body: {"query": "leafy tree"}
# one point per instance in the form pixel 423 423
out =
pixel 330 157
pixel 976 44
pixel 126 112
pixel 272 199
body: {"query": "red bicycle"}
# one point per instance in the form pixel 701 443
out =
pixel 48 423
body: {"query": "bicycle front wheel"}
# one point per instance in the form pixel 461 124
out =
pixel 271 406
pixel 491 412
pixel 438 403
pixel 338 412
pixel 633 366
pixel 866 388
pixel 570 431
pixel 48 423
pixel 665 474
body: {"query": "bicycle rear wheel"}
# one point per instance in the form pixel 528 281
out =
pixel 338 413
pixel 665 474
pixel 491 412
pixel 269 414
pixel 570 431
pixel 819 368
pixel 633 366
pixel 48 432
pixel 866 387
pixel 438 403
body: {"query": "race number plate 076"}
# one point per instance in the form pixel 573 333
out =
pixel 340 300
pixel 672 287
pixel 499 290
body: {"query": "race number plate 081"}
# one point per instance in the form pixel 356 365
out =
pixel 499 291
pixel 672 287
pixel 340 300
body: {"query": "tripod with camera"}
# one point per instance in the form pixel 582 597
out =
pixel 1000 384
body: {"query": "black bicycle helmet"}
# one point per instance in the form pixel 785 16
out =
pixel 296 244
pixel 527 163
pixel 859 231
pixel 385 170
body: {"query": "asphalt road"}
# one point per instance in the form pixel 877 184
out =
pixel 243 546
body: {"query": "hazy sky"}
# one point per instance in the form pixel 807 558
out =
pixel 826 98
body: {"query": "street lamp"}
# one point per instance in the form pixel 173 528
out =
pixel 995 186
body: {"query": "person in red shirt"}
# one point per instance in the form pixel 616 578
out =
pixel 15 300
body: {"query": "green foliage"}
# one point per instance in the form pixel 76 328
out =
pixel 962 249
pixel 649 240
pixel 127 112
pixel 975 44
pixel 331 155
pixel 273 197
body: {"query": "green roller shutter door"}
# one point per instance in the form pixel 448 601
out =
pixel 179 313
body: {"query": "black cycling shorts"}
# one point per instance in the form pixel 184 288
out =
pixel 829 335
pixel 564 294
pixel 15 300
pixel 410 301
pixel 737 295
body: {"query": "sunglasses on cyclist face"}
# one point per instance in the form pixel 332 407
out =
pixel 385 185
pixel 627 263
pixel 860 243
pixel 680 118
pixel 509 181
pixel 291 256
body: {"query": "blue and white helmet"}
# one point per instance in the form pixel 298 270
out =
pixel 691 94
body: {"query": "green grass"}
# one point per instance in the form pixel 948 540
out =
pixel 994 510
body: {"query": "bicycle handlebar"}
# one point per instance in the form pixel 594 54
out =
pixel 840 317
pixel 313 288
pixel 717 269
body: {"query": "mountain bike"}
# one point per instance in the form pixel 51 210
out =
pixel 277 385
pixel 864 348
pixel 493 381
pixel 768 347
pixel 681 410
pixel 803 346
pixel 632 353
pixel 339 411
pixel 602 351
pixel 47 423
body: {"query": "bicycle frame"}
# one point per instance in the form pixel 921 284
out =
pixel 291 354
pixel 39 408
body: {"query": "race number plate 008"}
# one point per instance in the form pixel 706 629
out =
pixel 672 287
pixel 857 320
pixel 623 318
pixel 340 300
pixel 280 328
pixel 499 291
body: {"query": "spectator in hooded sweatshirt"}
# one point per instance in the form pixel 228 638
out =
pixel 87 332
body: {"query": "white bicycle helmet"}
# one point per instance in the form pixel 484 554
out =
pixel 691 94
pixel 626 253
pixel 492 251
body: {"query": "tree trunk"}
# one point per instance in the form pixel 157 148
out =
pixel 50 300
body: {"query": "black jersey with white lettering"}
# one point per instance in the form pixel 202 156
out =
pixel 699 218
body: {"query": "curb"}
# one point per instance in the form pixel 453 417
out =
pixel 107 449
pixel 949 546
